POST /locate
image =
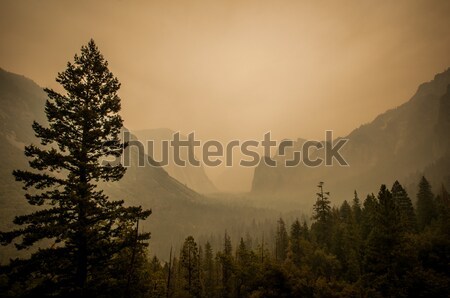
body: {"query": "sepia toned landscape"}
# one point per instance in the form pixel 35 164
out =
pixel 224 149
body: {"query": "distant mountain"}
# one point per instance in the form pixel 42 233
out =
pixel 21 102
pixel 191 176
pixel 403 143
pixel 178 210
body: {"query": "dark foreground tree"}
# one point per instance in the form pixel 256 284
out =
pixel 83 231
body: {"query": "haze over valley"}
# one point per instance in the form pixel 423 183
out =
pixel 359 89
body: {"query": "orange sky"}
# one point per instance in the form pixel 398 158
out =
pixel 236 69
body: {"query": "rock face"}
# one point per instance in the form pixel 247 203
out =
pixel 191 176
pixel 403 143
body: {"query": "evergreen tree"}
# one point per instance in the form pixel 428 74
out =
pixel 337 230
pixel 227 263
pixel 404 206
pixel 85 229
pixel 368 215
pixel 189 267
pixel 349 250
pixel 246 269
pixel 383 244
pixel 295 242
pixel 157 282
pixel 281 241
pixel 345 212
pixel 426 209
pixel 356 208
pixel 322 216
pixel 305 230
pixel 208 271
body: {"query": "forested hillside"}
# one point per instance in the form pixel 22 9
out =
pixel 381 246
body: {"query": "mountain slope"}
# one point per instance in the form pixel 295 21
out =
pixel 192 177
pixel 402 143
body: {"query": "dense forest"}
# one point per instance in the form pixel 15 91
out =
pixel 381 247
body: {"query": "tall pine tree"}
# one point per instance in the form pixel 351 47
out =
pixel 426 209
pixel 383 245
pixel 84 228
pixel 322 216
pixel 190 267
pixel 405 207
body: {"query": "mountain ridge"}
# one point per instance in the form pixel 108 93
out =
pixel 395 145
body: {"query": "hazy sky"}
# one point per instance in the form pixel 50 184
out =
pixel 236 69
